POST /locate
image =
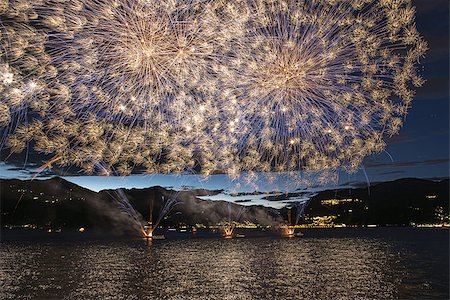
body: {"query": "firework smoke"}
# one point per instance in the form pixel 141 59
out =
pixel 233 218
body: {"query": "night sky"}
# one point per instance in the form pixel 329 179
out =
pixel 420 150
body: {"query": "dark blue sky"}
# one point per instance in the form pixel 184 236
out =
pixel 420 150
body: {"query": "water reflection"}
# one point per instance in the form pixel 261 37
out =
pixel 258 268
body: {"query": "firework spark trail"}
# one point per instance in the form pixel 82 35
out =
pixel 128 209
pixel 45 166
pixel 236 216
pixel 300 210
pixel 124 204
pixel 230 224
pixel 167 206
pixel 212 86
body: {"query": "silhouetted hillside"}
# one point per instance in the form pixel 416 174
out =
pixel 58 203
pixel 54 202
pixel 399 202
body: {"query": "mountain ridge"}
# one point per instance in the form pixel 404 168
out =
pixel 56 202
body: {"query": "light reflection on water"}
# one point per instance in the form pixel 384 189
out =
pixel 252 268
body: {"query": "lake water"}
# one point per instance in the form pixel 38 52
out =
pixel 379 263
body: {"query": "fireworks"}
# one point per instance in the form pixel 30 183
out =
pixel 166 207
pixel 228 231
pixel 234 216
pixel 315 81
pixel 132 62
pixel 136 218
pixel 289 229
pixel 206 86
pixel 126 207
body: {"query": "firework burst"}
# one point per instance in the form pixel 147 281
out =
pixel 249 86
pixel 318 84
pixel 142 63
pixel 23 61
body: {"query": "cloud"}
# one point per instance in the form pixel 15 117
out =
pixel 242 201
pixel 429 162
pixel 286 196
pixel 254 193
pixel 392 172
pixel 438 178
pixel 401 138
pixel 435 161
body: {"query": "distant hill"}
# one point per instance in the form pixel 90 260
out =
pixel 58 203
pixel 399 202
pixel 54 203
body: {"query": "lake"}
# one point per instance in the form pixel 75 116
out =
pixel 375 263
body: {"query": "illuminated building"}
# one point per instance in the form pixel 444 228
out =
pixel 339 201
